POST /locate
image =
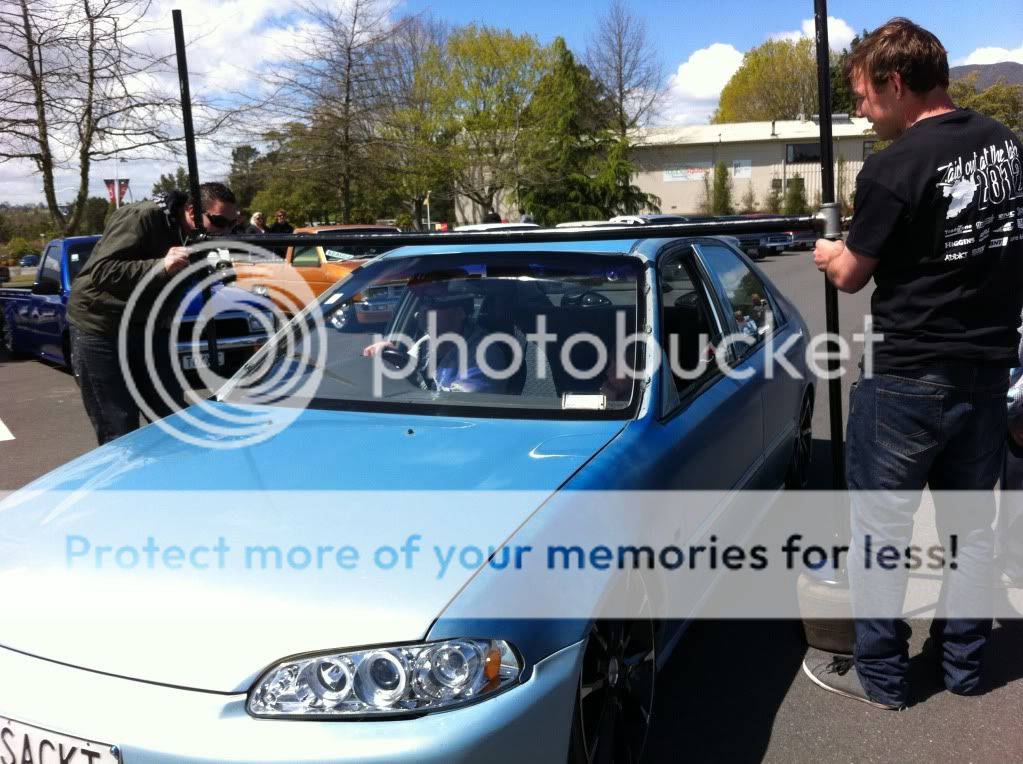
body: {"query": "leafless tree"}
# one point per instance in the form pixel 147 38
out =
pixel 76 86
pixel 623 60
pixel 334 84
pixel 414 128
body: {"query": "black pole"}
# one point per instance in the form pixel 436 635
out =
pixel 828 198
pixel 193 176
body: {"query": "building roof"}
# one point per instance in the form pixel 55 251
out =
pixel 748 132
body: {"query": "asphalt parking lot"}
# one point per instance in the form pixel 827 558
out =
pixel 734 690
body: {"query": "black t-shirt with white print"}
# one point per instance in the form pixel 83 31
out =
pixel 942 211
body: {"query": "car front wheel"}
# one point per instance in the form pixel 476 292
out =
pixel 798 474
pixel 615 699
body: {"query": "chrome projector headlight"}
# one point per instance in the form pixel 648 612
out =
pixel 387 681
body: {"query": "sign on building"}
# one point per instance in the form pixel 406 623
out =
pixel 689 172
pixel 742 169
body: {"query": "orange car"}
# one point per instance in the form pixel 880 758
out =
pixel 306 271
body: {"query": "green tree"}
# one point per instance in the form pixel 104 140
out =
pixel 773 200
pixel 95 215
pixel 18 246
pixel 490 78
pixel 795 197
pixel 243 178
pixel 176 181
pixel 748 203
pixel 707 199
pixel 721 198
pixel 568 134
pixel 777 80
pixel 842 99
pixel 615 192
pixel 1000 101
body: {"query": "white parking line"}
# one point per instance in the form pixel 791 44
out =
pixel 5 434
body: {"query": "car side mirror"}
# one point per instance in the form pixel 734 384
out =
pixel 47 287
pixel 5 274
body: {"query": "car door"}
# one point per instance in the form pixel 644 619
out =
pixel 752 311
pixel 47 304
pixel 711 419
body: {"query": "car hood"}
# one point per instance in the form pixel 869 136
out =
pixel 86 550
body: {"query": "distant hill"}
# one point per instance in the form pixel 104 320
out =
pixel 989 74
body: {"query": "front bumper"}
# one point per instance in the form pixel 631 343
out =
pixel 155 724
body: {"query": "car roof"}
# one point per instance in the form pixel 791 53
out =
pixel 351 228
pixel 645 248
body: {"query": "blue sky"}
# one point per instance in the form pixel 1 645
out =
pixel 700 43
pixel 680 27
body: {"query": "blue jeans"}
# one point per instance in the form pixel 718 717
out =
pixel 108 400
pixel 939 427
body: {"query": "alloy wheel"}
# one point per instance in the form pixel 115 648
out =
pixel 799 469
pixel 616 692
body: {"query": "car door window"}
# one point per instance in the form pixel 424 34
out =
pixel 306 257
pixel 749 309
pixel 49 273
pixel 689 329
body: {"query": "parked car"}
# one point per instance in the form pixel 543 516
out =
pixel 496 227
pixel 654 219
pixel 401 672
pixel 306 271
pixel 33 319
pixel 802 240
pixel 775 243
pixel 29 261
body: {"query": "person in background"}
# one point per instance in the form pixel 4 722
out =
pixel 257 223
pixel 280 224
pixel 141 239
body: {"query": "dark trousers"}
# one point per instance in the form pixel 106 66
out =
pixel 942 427
pixel 1009 533
pixel 111 403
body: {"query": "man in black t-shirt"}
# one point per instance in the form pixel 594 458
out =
pixel 938 225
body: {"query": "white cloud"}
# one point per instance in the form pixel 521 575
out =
pixel 840 34
pixel 994 56
pixel 694 89
pixel 230 45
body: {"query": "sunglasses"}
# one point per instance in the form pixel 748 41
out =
pixel 220 221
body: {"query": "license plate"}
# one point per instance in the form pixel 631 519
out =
pixel 21 742
pixel 190 361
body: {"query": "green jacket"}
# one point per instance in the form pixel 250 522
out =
pixel 134 243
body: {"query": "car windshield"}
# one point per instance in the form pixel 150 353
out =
pixel 502 334
pixel 78 254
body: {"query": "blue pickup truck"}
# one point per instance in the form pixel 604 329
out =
pixel 33 318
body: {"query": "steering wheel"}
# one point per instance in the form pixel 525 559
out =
pixel 400 358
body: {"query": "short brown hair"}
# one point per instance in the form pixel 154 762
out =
pixel 904 47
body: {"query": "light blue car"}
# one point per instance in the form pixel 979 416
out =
pixel 378 663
